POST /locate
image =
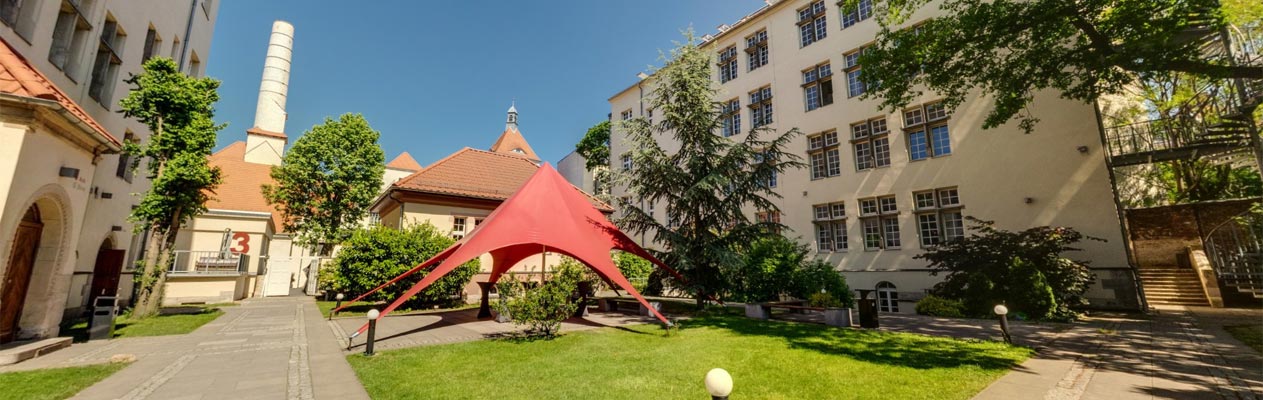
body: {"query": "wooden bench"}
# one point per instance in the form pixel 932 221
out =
pixel 832 316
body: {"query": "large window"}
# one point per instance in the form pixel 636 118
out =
pixel 939 217
pixel 756 49
pixel 728 64
pixel 830 221
pixel 822 152
pixel 927 131
pixel 153 42
pixel 871 141
pixel 458 226
pixel 887 297
pixel 854 86
pixel 818 86
pixel 863 11
pixel 811 23
pixel 732 117
pixel 761 107
pixel 105 69
pixel 879 218
pixel 70 34
pixel 19 15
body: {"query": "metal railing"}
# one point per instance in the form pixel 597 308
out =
pixel 1235 250
pixel 188 262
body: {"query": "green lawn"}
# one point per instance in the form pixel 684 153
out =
pixel 1251 335
pixel 167 324
pixel 53 384
pixel 768 360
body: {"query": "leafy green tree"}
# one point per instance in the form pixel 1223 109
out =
pixel 816 276
pixel 707 183
pixel 767 269
pixel 179 111
pixel 633 268
pixel 595 146
pixel 1007 50
pixel 1025 270
pixel 327 181
pixel 373 256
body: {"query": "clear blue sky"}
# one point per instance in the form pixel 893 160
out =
pixel 435 76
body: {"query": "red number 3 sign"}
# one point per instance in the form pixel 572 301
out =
pixel 242 241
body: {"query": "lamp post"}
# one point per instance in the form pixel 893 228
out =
pixel 336 306
pixel 1003 312
pixel 719 384
pixel 372 331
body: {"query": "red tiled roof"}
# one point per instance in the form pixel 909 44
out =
pixel 18 77
pixel 257 131
pixel 512 140
pixel 242 187
pixel 477 174
pixel 404 162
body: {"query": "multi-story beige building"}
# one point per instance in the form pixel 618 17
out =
pixel 882 186
pixel 82 50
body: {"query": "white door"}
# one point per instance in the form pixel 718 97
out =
pixel 280 275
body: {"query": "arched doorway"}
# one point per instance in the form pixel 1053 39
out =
pixel 887 297
pixel 17 276
pixel 105 275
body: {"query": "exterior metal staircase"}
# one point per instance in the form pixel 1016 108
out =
pixel 1235 250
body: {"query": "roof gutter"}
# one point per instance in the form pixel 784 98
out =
pixel 109 145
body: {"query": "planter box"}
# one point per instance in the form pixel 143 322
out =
pixel 657 306
pixel 837 317
pixel 757 311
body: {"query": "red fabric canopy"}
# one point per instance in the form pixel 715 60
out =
pixel 545 214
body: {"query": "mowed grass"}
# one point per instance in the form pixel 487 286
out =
pixel 1251 335
pixel 166 324
pixel 768 360
pixel 53 384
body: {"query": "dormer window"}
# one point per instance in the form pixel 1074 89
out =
pixel 519 151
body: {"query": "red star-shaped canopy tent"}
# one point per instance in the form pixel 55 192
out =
pixel 545 214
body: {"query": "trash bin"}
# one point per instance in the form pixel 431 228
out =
pixel 104 310
pixel 868 309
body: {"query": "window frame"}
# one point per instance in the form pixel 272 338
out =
pixel 730 114
pixel 727 64
pixel 820 78
pixel 922 125
pixel 880 224
pixel 936 232
pixel 826 146
pixel 855 86
pixel 863 11
pixel 761 110
pixel 107 61
pixel 870 140
pixel 813 23
pixel 757 52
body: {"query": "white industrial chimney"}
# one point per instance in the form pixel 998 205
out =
pixel 265 142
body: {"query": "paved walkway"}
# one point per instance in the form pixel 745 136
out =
pixel 267 348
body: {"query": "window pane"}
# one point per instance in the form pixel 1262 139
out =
pixel 891 228
pixel 818 167
pixel 872 234
pixel 813 97
pixel 854 86
pixel 953 225
pixel 925 200
pixel 868 206
pixel 888 205
pixel 822 212
pixel 913 117
pixel 918 149
pixel 863 156
pixel 835 162
pixel 839 235
pixel 948 197
pixel 879 126
pixel 824 237
pixel 839 210
pixel 830 138
pixel 928 226
pixel 859 131
pixel 881 152
pixel 942 141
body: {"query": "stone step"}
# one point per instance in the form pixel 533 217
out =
pixel 16 352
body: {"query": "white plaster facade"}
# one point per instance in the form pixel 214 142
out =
pixel 1053 176
pixel 183 30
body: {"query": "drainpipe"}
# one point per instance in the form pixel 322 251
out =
pixel 188 31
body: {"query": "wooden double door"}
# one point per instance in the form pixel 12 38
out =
pixel 17 276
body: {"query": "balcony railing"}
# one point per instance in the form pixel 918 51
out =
pixel 187 262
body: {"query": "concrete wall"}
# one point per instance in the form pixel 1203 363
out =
pixel 37 144
pixel 1018 180
pixel 205 289
pixel 192 23
pixel 574 168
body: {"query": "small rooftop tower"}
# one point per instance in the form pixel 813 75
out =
pixel 511 123
pixel 265 142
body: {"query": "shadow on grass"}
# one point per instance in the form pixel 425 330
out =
pixel 904 350
pixel 77 329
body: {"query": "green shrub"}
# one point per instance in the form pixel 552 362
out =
pixel 373 256
pixel 542 308
pixel 823 299
pixel 939 307
pixel 815 276
pixel 768 268
pixel 1024 270
pixel 634 268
